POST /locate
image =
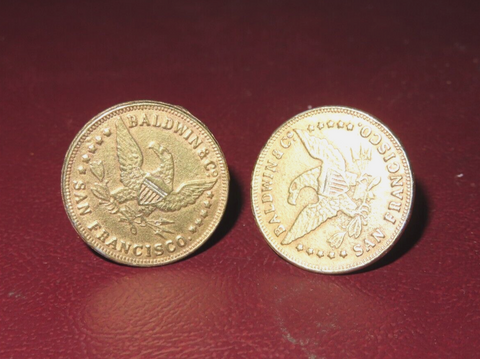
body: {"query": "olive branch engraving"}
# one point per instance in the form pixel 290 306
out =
pixel 126 213
pixel 363 192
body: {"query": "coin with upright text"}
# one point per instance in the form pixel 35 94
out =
pixel 332 190
pixel 145 183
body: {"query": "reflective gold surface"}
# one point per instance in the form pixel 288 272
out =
pixel 332 190
pixel 145 183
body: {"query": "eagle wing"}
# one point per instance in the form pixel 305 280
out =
pixel 309 219
pixel 129 156
pixel 321 149
pixel 186 195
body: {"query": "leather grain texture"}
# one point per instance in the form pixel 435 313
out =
pixel 243 68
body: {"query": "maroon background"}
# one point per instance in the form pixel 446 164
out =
pixel 242 68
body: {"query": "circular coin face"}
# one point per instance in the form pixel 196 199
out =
pixel 145 183
pixel 332 190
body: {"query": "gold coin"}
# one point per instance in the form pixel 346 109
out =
pixel 332 190
pixel 145 183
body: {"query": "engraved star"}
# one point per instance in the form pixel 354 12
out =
pixel 204 213
pixel 310 128
pixel 198 222
pixel 343 254
pixel 207 204
pixel 98 140
pixel 330 124
pixel 349 127
pixel 209 194
pixel 331 255
pixel 107 132
pixel 300 247
pixel 85 158
pixel 340 124
pixel 320 254
pixel 92 149
pixel 310 251
pixel 192 229
pixel 82 170
pixel 320 125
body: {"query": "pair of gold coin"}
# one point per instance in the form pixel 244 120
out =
pixel 145 183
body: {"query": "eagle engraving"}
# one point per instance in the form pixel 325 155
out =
pixel 331 182
pixel 152 190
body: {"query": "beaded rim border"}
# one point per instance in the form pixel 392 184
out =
pixel 106 115
pixel 397 231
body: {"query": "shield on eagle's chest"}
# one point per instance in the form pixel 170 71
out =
pixel 150 193
pixel 335 184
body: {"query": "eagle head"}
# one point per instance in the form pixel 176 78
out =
pixel 165 168
pixel 159 150
pixel 306 179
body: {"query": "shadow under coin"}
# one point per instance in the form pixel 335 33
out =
pixel 413 232
pixel 230 217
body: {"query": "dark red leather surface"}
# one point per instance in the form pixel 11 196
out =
pixel 243 69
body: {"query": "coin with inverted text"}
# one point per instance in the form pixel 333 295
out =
pixel 332 190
